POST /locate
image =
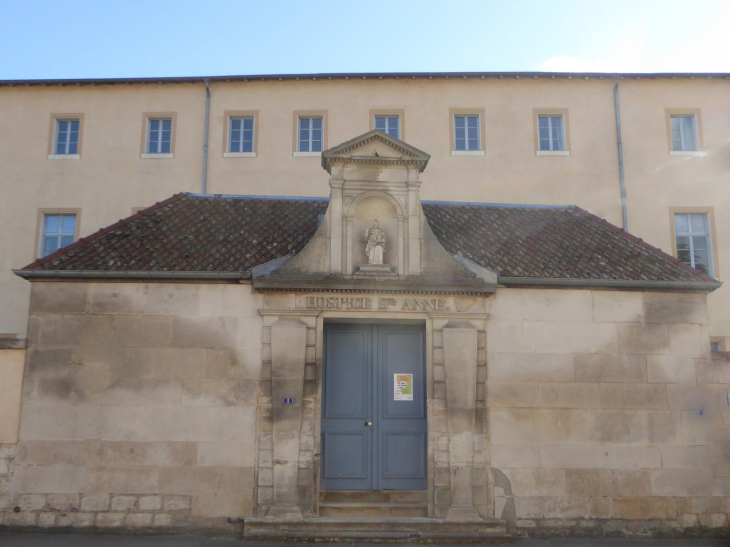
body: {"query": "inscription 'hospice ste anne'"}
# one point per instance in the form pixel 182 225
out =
pixel 383 303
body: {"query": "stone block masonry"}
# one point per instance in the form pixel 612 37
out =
pixel 138 410
pixel 611 417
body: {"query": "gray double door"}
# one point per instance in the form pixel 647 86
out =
pixel 374 429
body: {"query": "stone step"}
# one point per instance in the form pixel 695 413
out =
pixel 402 509
pixel 369 528
pixel 373 496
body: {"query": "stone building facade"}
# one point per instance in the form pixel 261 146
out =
pixel 183 364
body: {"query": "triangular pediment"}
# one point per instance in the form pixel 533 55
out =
pixel 374 147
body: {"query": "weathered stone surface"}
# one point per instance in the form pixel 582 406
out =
pixel 601 457
pixel 168 298
pixel 687 482
pixel 123 503
pixel 570 337
pixel 150 503
pixel 113 298
pixel 568 395
pixel 58 298
pixel 643 508
pixel 567 507
pixel 543 305
pixel 610 368
pixel 514 456
pixel 164 363
pixel 138 519
pixel 530 367
pixel 56 479
pixel 77 330
pixel 222 505
pixel 120 480
pixel 675 308
pixel 63 502
pixel 226 454
pixel 636 396
pixel 240 363
pixel 639 338
pixel 537 482
pixel 48 361
pixel 31 502
pixel 513 394
pixel 130 453
pixel 607 482
pixel 95 502
pixel 209 392
pixel 204 332
pixel 138 331
pixel 177 503
pixel 210 480
pixel 529 507
pixel 670 369
pixel 713 371
pixel 618 306
pixel 109 520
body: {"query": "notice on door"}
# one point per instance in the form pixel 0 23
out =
pixel 403 387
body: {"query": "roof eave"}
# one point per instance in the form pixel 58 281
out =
pixel 611 283
pixel 48 275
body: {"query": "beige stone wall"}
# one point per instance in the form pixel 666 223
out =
pixel 139 406
pixel 111 168
pixel 606 405
pixel 11 384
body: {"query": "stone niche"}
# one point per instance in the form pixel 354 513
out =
pixel 374 177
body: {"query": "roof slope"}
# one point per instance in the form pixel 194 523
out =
pixel 195 233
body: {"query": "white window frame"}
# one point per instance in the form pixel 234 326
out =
pixel 310 130
pixel 58 235
pixel 467 149
pixel 387 118
pixel 551 139
pixel 148 142
pixel 682 133
pixel 690 234
pixel 241 153
pixel 67 144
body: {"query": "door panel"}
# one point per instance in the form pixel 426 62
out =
pixel 347 407
pixel 370 438
pixel 401 424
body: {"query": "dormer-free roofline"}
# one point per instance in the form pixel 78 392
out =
pixel 369 76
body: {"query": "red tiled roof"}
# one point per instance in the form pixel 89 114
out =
pixel 194 233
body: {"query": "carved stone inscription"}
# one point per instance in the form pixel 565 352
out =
pixel 379 303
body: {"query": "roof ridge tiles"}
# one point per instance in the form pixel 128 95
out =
pixel 104 231
pixel 644 244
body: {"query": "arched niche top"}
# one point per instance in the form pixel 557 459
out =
pixel 400 213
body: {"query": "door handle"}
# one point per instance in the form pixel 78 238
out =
pixel 368 424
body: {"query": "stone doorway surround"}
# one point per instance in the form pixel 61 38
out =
pixel 287 475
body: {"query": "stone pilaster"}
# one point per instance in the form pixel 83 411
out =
pixel 288 356
pixel 460 351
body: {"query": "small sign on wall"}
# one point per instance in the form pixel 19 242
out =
pixel 403 387
pixel 288 400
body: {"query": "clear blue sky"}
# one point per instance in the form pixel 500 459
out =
pixel 135 38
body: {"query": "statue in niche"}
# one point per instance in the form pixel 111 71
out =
pixel 376 243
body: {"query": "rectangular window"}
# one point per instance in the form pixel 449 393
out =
pixel 715 347
pixel 310 134
pixel 58 231
pixel 67 137
pixel 550 132
pixel 684 133
pixel 389 125
pixel 466 133
pixel 159 136
pixel 692 233
pixel 240 135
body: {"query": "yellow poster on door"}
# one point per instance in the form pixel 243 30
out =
pixel 403 387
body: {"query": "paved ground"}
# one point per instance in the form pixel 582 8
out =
pixel 75 540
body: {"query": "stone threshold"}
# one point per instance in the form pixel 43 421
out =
pixel 371 528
